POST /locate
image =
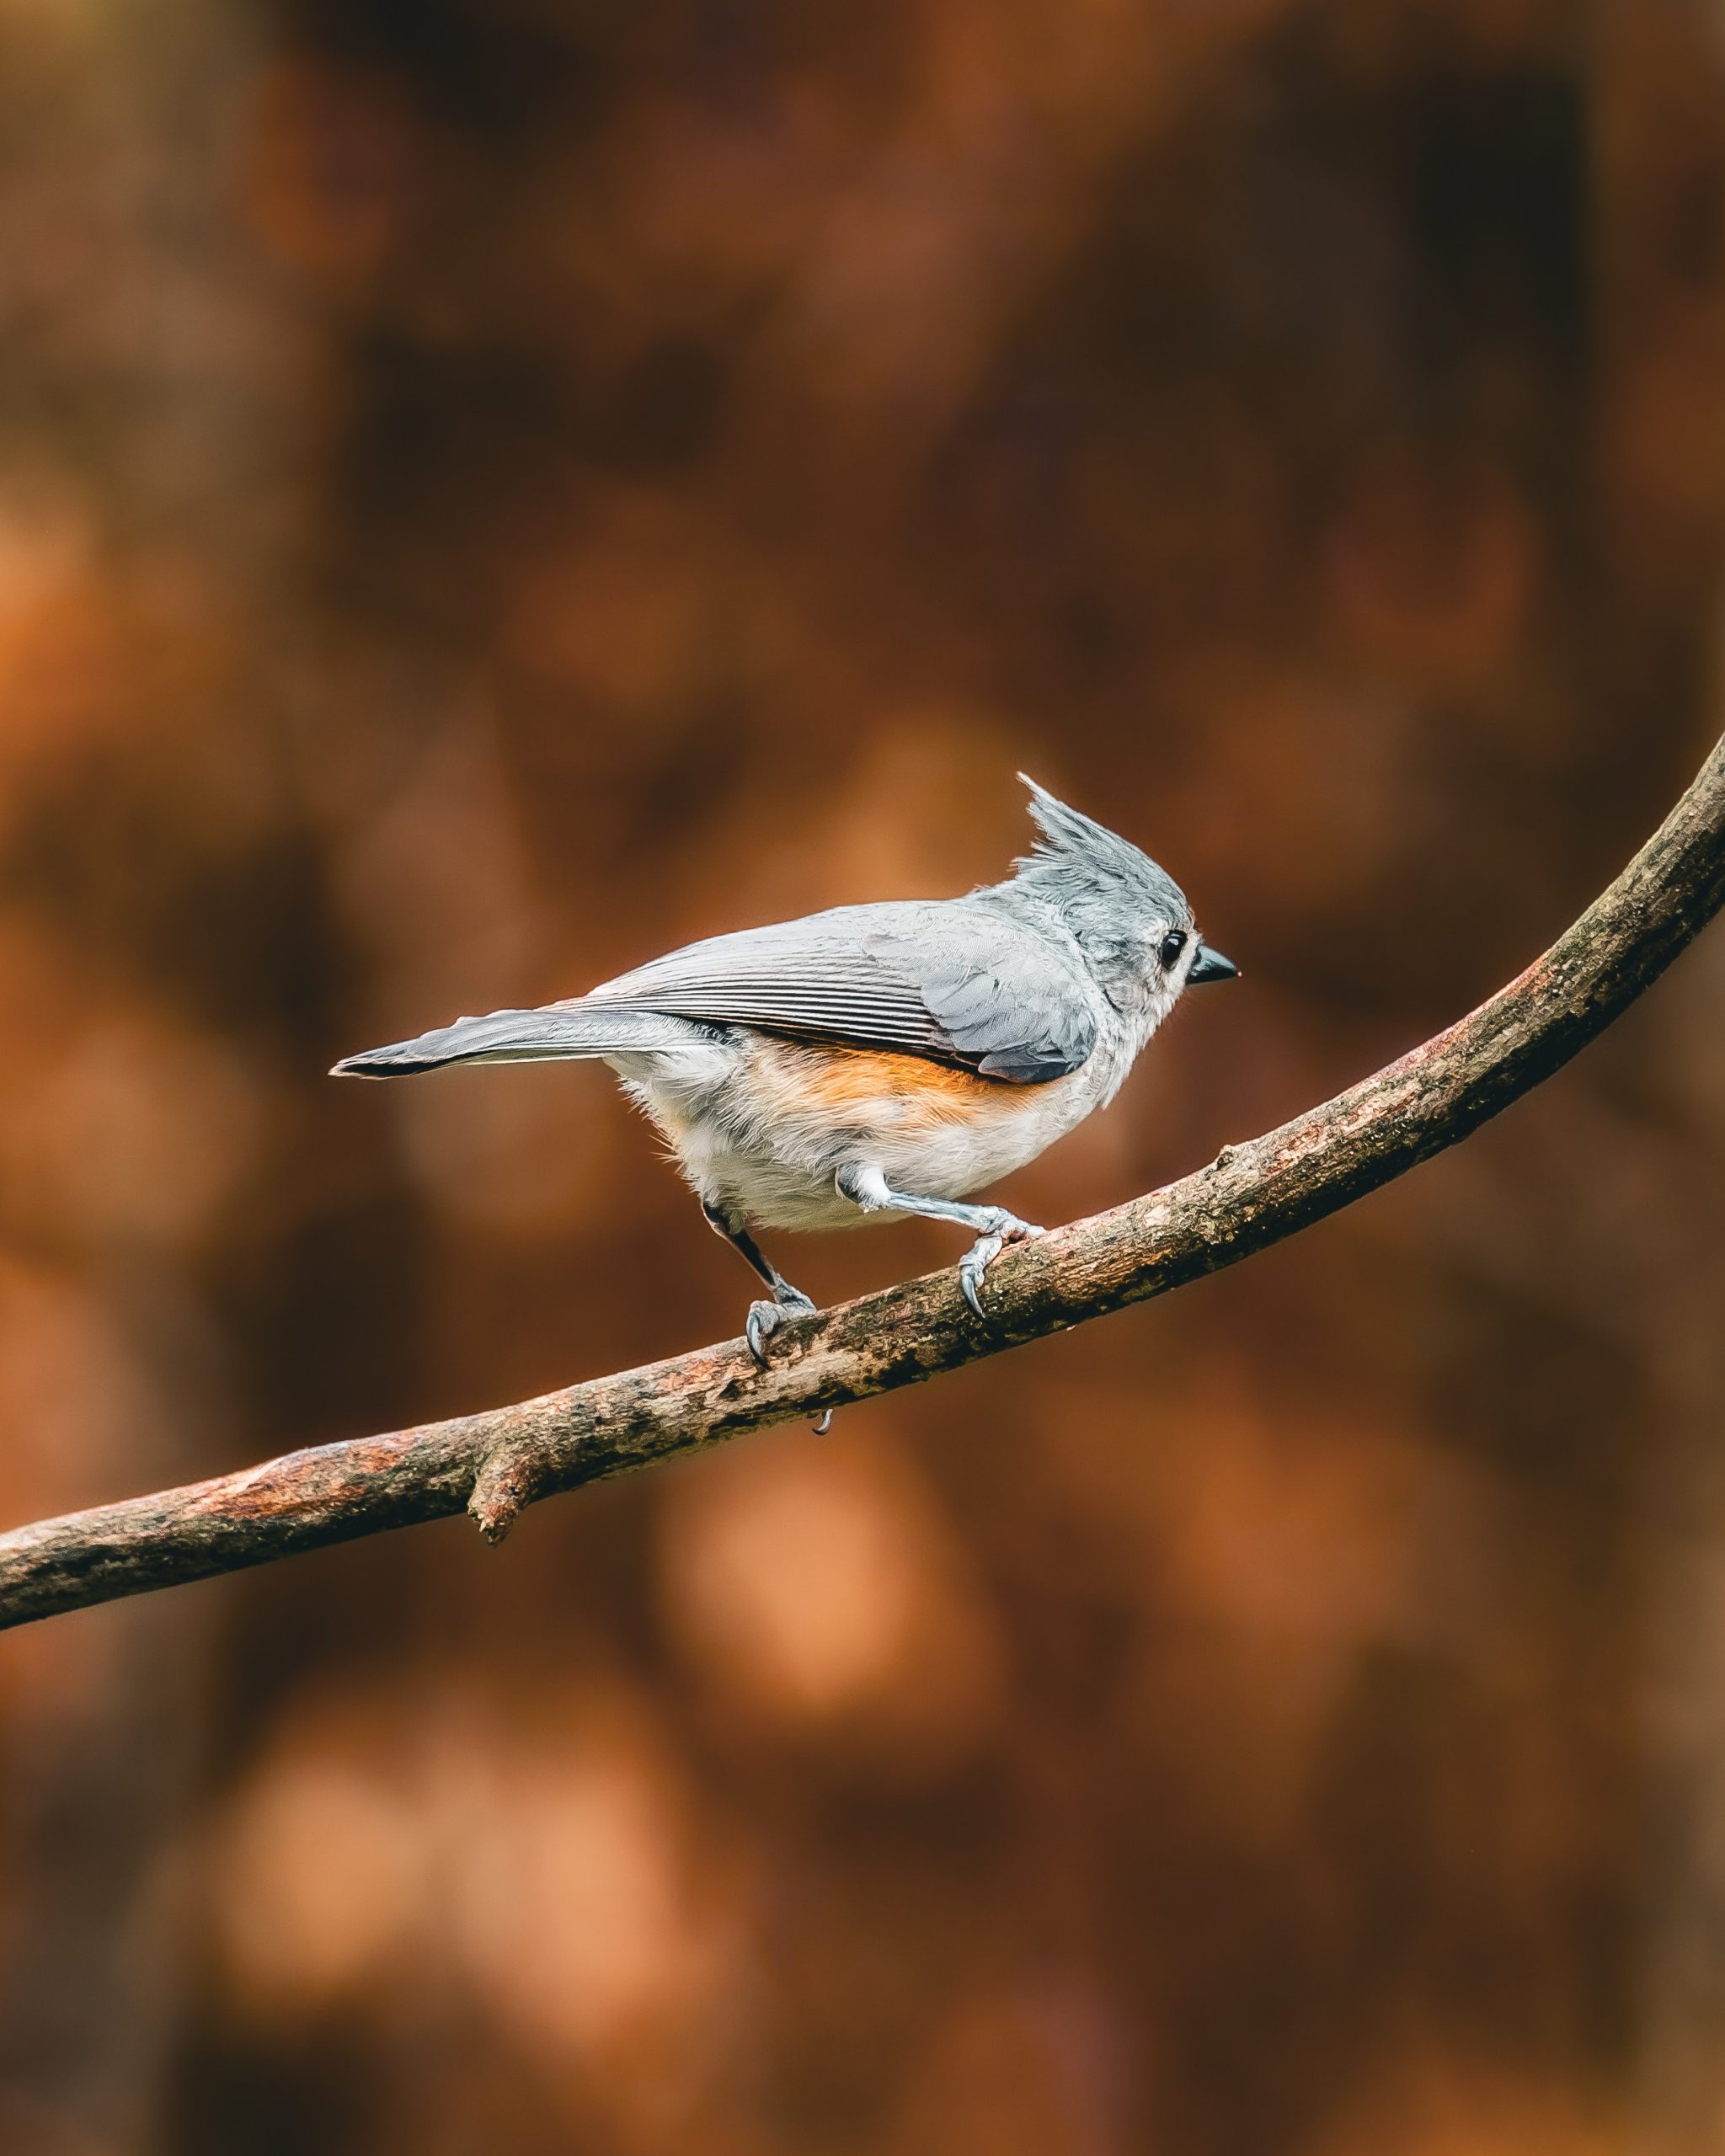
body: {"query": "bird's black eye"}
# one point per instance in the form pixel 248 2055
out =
pixel 1169 949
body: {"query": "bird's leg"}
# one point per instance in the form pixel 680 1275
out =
pixel 995 1227
pixel 765 1318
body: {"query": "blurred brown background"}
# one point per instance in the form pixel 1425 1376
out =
pixel 490 488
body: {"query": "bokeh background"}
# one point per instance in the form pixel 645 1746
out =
pixel 491 489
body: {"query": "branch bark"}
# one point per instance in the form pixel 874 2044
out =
pixel 1251 1195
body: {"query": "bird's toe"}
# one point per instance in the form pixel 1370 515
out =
pixel 1003 1228
pixel 765 1318
pixel 973 1264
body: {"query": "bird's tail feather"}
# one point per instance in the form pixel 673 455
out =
pixel 553 1035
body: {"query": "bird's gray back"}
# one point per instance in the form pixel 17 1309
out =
pixel 973 982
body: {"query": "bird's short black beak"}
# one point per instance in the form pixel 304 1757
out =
pixel 1211 965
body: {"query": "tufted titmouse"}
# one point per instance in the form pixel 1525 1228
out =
pixel 878 1058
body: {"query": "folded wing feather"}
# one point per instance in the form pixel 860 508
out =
pixel 962 986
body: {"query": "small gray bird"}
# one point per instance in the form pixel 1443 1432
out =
pixel 878 1058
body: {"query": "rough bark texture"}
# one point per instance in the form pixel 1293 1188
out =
pixel 1251 1195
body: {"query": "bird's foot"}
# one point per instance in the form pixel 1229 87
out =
pixel 1003 1228
pixel 766 1318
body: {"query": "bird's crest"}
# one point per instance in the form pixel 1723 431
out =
pixel 1077 861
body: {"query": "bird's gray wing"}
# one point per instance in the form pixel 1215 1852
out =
pixel 955 983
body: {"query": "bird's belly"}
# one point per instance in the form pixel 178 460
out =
pixel 771 1138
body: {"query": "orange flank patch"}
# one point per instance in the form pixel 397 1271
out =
pixel 842 1084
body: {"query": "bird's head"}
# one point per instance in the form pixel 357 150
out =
pixel 1129 917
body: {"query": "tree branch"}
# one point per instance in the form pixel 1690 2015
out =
pixel 1250 1196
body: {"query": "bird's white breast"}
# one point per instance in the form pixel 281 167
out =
pixel 763 1125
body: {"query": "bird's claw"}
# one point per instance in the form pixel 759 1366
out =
pixel 765 1319
pixel 1005 1228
